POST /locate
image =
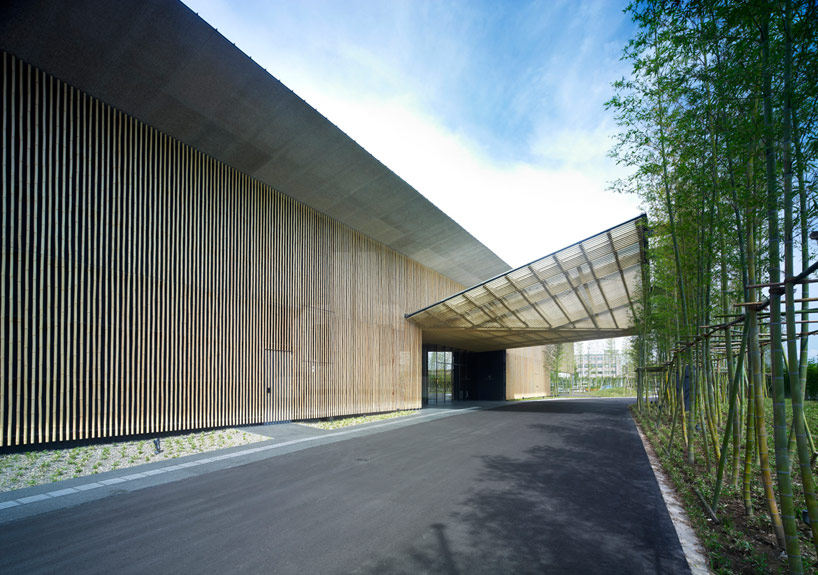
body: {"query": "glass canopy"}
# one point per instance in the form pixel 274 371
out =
pixel 588 290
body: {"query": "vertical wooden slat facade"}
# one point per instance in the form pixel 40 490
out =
pixel 144 285
pixel 527 372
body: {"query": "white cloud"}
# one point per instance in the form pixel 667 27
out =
pixel 549 195
pixel 522 211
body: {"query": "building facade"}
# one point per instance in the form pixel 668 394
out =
pixel 187 245
pixel 612 364
pixel 149 287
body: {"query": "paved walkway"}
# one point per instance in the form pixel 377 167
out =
pixel 552 486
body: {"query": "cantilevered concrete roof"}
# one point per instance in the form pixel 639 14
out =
pixel 161 63
pixel 588 290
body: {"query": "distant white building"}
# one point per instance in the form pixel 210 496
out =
pixel 608 364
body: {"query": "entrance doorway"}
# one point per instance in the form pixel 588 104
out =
pixel 278 382
pixel 456 375
pixel 438 377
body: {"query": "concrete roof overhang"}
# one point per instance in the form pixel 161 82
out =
pixel 159 62
pixel 588 290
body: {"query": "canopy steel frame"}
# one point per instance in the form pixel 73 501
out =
pixel 581 292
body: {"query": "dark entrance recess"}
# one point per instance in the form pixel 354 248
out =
pixel 451 374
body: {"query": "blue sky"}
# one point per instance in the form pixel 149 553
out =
pixel 492 110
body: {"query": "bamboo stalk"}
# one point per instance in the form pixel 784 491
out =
pixel 796 395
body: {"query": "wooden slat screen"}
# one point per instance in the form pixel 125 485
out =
pixel 145 285
pixel 527 372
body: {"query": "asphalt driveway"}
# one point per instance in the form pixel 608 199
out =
pixel 532 487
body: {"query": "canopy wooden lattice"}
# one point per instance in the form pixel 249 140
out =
pixel 588 290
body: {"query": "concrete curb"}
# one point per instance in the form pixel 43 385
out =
pixel 691 546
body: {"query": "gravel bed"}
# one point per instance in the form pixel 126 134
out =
pixel 339 422
pixel 31 468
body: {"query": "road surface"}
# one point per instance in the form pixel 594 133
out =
pixel 532 487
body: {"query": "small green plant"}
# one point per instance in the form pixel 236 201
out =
pixel 759 561
pixel 744 545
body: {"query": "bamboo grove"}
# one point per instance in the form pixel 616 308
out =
pixel 717 124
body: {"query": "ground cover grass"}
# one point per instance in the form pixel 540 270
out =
pixel 612 392
pixel 26 469
pixel 600 392
pixel 40 466
pixel 739 543
pixel 348 421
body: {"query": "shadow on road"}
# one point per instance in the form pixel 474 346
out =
pixel 580 500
